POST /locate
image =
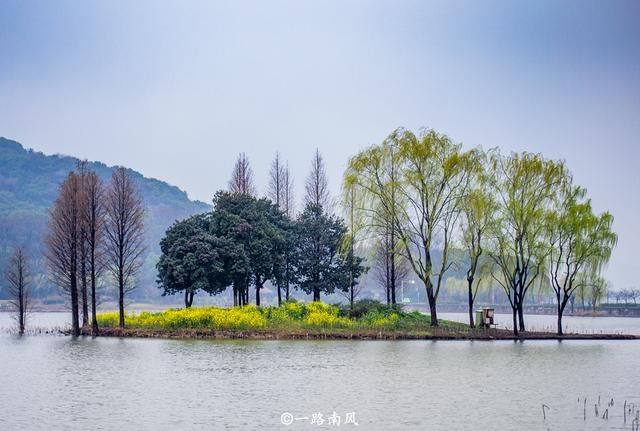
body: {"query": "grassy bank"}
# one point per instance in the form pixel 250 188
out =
pixel 290 318
pixel 316 320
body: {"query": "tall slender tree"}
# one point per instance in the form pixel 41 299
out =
pixel 18 276
pixel 124 233
pixel 478 212
pixel 242 177
pixel 93 213
pixel 288 203
pixel 288 208
pixel 317 186
pixel 63 236
pixel 82 170
pixel 377 172
pixel 353 262
pixel 276 187
pixel 277 192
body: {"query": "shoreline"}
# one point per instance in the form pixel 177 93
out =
pixel 535 312
pixel 452 335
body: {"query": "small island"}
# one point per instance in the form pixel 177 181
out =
pixel 369 320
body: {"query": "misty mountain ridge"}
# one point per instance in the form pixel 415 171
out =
pixel 29 182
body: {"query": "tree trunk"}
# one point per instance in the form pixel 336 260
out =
pixel 432 310
pixel 21 305
pixel 514 309
pixel 388 281
pixel 75 320
pixel 121 298
pixel 432 302
pixel 560 309
pixel 258 287
pixel 351 298
pixel 392 288
pixel 392 264
pixel 316 294
pixel 94 318
pixel 521 315
pixel 73 284
pixel 83 279
pixel 470 282
pixel 559 321
pixel 279 295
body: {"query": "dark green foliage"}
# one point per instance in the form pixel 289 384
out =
pixel 247 241
pixel 320 267
pixel 365 306
pixel 29 183
pixel 258 229
pixel 193 259
pixel 241 242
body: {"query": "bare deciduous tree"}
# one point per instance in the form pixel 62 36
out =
pixel 93 220
pixel 62 243
pixel 388 266
pixel 124 233
pixel 316 187
pixel 18 277
pixel 242 177
pixel 281 193
pixel 379 179
pixel 281 186
pixel 288 199
pixel 276 182
pixel 82 169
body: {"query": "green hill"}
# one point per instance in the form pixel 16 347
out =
pixel 29 182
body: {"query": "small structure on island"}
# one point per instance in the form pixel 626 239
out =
pixel 484 317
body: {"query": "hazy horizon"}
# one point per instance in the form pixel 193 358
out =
pixel 177 92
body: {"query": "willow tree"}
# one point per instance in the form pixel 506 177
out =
pixel 525 185
pixel 419 182
pixel 581 243
pixel 375 173
pixel 478 211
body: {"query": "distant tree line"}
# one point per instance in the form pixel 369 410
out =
pixel 627 295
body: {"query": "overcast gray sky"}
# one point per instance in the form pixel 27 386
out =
pixel 177 89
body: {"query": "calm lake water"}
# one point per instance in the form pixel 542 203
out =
pixel 56 383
